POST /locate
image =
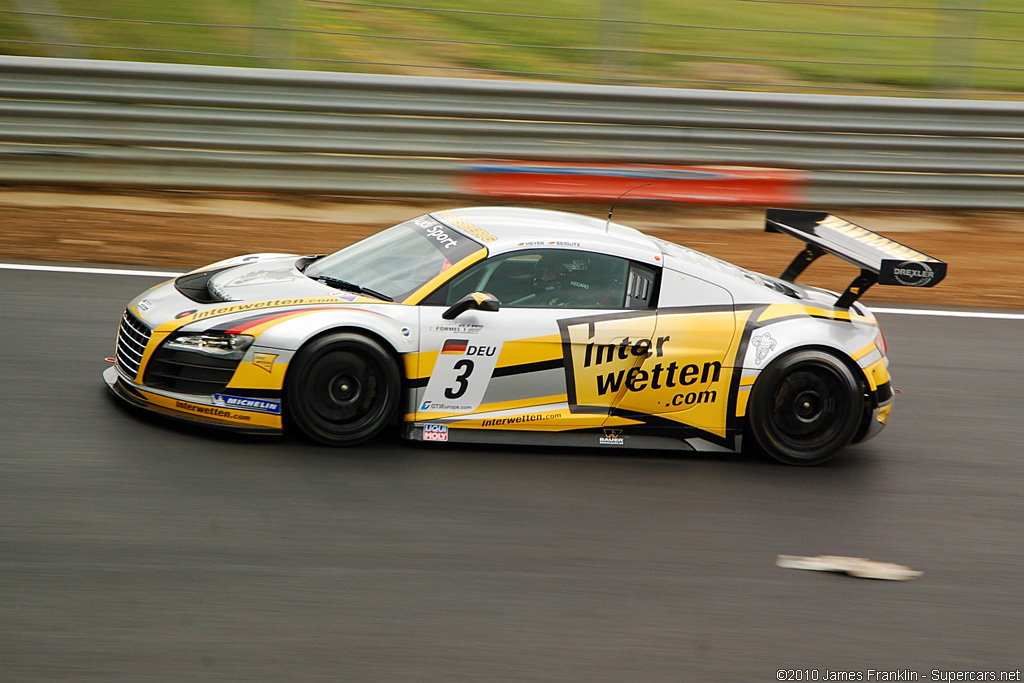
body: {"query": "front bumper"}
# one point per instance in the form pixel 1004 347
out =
pixel 876 417
pixel 222 409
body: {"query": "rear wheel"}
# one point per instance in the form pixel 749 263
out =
pixel 342 389
pixel 805 407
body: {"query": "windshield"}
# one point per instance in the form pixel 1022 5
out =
pixel 399 260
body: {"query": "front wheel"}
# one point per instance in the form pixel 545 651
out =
pixel 805 407
pixel 342 389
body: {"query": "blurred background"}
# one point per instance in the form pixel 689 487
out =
pixel 970 48
pixel 896 114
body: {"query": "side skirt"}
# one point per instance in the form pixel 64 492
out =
pixel 601 438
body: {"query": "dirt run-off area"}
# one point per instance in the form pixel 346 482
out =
pixel 181 231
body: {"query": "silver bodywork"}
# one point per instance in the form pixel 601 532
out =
pixel 677 373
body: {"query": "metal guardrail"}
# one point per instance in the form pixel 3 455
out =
pixel 89 123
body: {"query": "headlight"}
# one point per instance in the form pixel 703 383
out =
pixel 216 344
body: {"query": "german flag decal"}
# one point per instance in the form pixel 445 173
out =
pixel 455 346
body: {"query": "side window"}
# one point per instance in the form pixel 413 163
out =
pixel 508 277
pixel 554 278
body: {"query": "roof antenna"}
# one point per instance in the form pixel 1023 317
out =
pixel 608 223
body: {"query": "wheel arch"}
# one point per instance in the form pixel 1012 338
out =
pixel 353 415
pixel 844 356
pixel 867 397
pixel 376 336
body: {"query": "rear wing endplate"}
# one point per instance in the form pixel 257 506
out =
pixel 880 259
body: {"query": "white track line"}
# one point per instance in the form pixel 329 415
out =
pixel 950 314
pixel 95 271
pixel 163 273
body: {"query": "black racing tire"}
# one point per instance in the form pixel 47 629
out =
pixel 805 407
pixel 341 389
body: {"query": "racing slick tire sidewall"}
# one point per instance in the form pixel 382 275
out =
pixel 805 407
pixel 342 389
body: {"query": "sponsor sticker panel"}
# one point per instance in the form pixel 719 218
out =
pixel 682 370
pixel 435 432
pixel 460 375
pixel 260 405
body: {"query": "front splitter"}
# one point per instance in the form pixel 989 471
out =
pixel 189 409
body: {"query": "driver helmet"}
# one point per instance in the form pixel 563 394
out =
pixel 556 274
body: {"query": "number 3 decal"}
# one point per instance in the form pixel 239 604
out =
pixel 460 376
pixel 462 381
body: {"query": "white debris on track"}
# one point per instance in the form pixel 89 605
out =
pixel 853 566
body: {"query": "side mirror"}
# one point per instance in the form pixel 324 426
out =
pixel 478 301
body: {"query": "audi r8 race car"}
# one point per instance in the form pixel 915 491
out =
pixel 526 326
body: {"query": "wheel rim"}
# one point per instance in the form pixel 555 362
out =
pixel 346 390
pixel 809 406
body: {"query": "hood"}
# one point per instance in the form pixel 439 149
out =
pixel 262 279
pixel 270 278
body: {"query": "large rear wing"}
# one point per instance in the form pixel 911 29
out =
pixel 880 259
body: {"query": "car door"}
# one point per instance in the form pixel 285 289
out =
pixel 688 375
pixel 525 365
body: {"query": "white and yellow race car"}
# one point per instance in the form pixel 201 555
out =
pixel 526 326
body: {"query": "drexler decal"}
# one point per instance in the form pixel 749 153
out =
pixel 914 274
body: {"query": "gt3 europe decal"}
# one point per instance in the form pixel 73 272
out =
pixel 461 375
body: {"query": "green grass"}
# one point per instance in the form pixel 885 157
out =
pixel 921 46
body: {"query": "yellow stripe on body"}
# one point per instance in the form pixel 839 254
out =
pixel 742 398
pixel 514 352
pixel 252 376
pixel 776 311
pixel 257 330
pixel 212 414
pixel 530 350
pixel 544 418
pixel 863 352
pixel 877 374
pixel 535 402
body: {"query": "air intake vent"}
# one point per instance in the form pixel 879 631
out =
pixel 132 337
pixel 185 372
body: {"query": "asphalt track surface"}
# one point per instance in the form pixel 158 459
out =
pixel 134 549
